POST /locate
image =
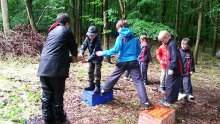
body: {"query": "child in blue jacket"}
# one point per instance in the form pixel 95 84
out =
pixel 128 48
pixel 188 67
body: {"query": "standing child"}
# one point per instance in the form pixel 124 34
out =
pixel 162 58
pixel 144 58
pixel 128 48
pixel 174 69
pixel 93 44
pixel 188 67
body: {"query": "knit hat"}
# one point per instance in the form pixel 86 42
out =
pixel 92 30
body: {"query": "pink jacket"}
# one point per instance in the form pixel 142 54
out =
pixel 162 55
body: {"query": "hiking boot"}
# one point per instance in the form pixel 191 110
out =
pixel 147 105
pixel 164 102
pixel 97 88
pixel 91 87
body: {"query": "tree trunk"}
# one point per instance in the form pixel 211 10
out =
pixel 105 27
pixel 198 32
pixel 79 22
pixel 122 7
pixel 5 16
pixel 215 35
pixel 28 4
pixel 73 16
pixel 164 11
pixel 177 17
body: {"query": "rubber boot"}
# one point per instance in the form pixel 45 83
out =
pixel 97 88
pixel 91 87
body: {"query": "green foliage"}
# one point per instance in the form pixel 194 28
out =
pixel 94 21
pixel 151 29
pixel 112 15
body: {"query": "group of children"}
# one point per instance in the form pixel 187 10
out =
pixel 177 65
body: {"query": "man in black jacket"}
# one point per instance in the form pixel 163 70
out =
pixel 54 68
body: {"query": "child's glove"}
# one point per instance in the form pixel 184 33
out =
pixel 170 72
pixel 191 73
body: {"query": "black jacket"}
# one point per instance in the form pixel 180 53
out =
pixel 54 60
pixel 174 61
pixel 93 46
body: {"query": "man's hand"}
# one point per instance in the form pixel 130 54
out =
pixel 170 72
pixel 99 53
pixel 73 59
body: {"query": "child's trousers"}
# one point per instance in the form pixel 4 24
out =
pixel 163 77
pixel 94 72
pixel 187 86
pixel 143 68
pixel 172 88
pixel 134 71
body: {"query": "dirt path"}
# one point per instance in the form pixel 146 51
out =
pixel 125 109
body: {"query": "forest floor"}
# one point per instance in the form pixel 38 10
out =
pixel 20 95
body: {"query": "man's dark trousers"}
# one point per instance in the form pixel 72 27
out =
pixel 172 88
pixel 52 98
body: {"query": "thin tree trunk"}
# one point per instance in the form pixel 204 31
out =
pixel 122 7
pixel 28 4
pixel 215 36
pixel 163 11
pixel 105 27
pixel 79 22
pixel 198 32
pixel 5 16
pixel 73 16
pixel 177 17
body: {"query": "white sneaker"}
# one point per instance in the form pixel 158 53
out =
pixel 181 96
pixel 190 98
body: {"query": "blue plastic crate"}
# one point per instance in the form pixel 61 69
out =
pixel 94 99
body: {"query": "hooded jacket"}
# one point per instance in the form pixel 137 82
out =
pixel 127 46
pixel 54 60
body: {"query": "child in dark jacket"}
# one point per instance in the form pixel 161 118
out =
pixel 93 44
pixel 145 57
pixel 188 67
pixel 174 69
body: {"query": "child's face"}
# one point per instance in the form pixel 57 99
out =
pixel 143 41
pixel 92 37
pixel 184 45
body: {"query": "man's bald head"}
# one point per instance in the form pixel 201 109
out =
pixel 164 36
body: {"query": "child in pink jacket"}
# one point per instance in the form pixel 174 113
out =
pixel 162 58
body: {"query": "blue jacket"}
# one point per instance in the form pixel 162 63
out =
pixel 174 60
pixel 127 46
pixel 188 61
pixel 54 60
pixel 93 46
